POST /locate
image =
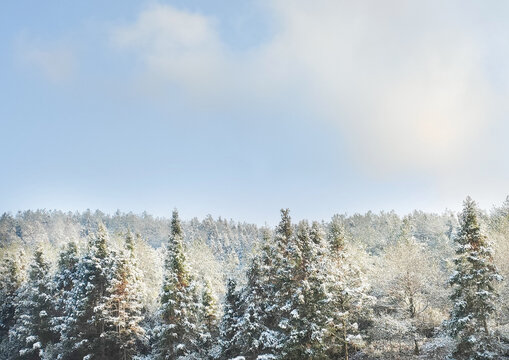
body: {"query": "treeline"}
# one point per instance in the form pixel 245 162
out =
pixel 306 291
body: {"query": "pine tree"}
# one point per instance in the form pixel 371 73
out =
pixel 32 329
pixel 256 330
pixel 10 281
pixel 473 289
pixel 284 296
pixel 179 301
pixel 308 321
pixel 84 329
pixel 347 295
pixel 123 305
pixel 254 335
pixel 229 321
pixel 64 282
pixel 280 264
pixel 209 329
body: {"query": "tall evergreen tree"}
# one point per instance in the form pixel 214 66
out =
pixel 123 305
pixel 473 289
pixel 308 328
pixel 34 311
pixel 209 329
pixel 10 281
pixel 178 335
pixel 64 282
pixel 284 297
pixel 347 295
pixel 281 270
pixel 83 334
pixel 255 335
pixel 229 321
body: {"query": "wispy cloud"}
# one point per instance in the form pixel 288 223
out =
pixel 175 46
pixel 56 63
pixel 406 84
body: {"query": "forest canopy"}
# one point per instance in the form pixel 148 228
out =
pixel 88 285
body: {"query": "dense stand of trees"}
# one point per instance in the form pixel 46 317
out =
pixel 93 286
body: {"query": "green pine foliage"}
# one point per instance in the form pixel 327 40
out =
pixel 208 323
pixel 307 323
pixel 32 329
pixel 123 305
pixel 83 332
pixel 474 292
pixel 10 281
pixel 230 320
pixel 301 293
pixel 178 333
pixel 348 300
pixel 64 283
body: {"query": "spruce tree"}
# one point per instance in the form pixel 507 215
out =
pixel 32 329
pixel 209 329
pixel 284 296
pixel 229 321
pixel 307 327
pixel 178 333
pixel 10 281
pixel 123 305
pixel 474 293
pixel 83 334
pixel 64 282
pixel 255 335
pixel 347 295
pixel 281 270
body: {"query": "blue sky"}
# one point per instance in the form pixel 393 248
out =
pixel 241 108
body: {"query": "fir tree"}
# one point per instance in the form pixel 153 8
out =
pixel 473 289
pixel 178 333
pixel 229 321
pixel 34 311
pixel 284 294
pixel 347 296
pixel 336 236
pixel 64 282
pixel 308 319
pixel 10 281
pixel 83 334
pixel 280 263
pixel 209 329
pixel 123 305
pixel 254 334
pixel 257 333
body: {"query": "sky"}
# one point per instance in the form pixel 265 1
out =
pixel 240 108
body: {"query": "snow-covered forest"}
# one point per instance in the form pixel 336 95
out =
pixel 90 285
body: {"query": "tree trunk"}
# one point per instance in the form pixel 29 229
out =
pixel 345 342
pixel 416 347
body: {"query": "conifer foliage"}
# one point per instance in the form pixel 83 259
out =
pixel 178 335
pixel 85 325
pixel 297 303
pixel 474 292
pixel 347 296
pixel 209 329
pixel 303 294
pixel 123 304
pixel 229 322
pixel 32 329
pixel 12 279
pixel 63 286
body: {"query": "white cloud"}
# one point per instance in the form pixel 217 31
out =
pixel 405 83
pixel 55 63
pixel 175 46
